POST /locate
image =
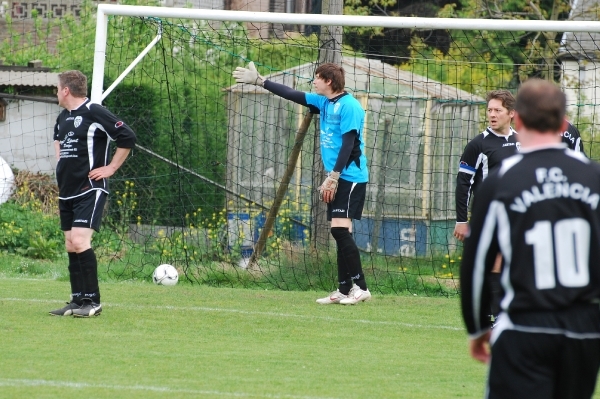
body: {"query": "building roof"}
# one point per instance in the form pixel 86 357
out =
pixel 28 78
pixel 34 74
pixel 363 75
pixel 432 88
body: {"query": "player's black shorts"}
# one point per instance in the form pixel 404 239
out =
pixel 552 361
pixel 348 202
pixel 83 211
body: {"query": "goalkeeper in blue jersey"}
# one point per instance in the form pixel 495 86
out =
pixel 343 153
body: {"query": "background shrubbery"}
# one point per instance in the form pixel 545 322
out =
pixel 29 223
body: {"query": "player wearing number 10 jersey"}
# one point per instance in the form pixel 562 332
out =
pixel 541 210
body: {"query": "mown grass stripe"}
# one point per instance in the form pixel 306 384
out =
pixel 83 385
pixel 256 313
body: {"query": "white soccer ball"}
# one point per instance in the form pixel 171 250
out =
pixel 165 275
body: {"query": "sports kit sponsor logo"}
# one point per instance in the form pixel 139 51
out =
pixel 338 210
pixel 119 124
pixel 80 221
pixel 77 121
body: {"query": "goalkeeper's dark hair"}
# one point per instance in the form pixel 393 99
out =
pixel 333 72
pixel 75 81
pixel 541 105
pixel 508 100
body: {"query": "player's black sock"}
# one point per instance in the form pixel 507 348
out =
pixel 89 268
pixel 344 281
pixel 496 292
pixel 76 278
pixel 349 252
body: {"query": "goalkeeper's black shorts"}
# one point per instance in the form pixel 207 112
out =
pixel 348 202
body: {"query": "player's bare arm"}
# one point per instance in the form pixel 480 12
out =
pixel 110 169
pixel 57 149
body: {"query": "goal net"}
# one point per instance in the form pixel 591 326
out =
pixel 212 155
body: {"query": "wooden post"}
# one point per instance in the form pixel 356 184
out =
pixel 380 198
pixel 331 36
pixel 281 190
pixel 330 51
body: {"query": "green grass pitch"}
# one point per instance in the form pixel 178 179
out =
pixel 202 342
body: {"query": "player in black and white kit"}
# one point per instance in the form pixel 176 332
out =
pixel 482 156
pixel 541 211
pixel 484 153
pixel 572 138
pixel 82 135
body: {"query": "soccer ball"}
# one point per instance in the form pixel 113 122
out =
pixel 165 275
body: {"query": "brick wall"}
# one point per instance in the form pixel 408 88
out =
pixel 21 13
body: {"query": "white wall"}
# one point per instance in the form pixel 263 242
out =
pixel 26 136
pixel 580 83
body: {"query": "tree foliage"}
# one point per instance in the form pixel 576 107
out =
pixel 474 60
pixel 394 45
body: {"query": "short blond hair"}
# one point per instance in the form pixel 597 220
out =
pixel 76 81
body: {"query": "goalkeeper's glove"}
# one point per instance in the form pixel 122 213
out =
pixel 328 189
pixel 248 75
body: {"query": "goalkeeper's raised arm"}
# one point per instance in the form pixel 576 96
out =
pixel 251 76
pixel 343 152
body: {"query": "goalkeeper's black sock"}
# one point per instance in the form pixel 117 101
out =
pixel 496 293
pixel 89 268
pixel 344 281
pixel 349 252
pixel 76 278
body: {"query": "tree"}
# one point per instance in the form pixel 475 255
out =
pixel 391 45
pixel 532 53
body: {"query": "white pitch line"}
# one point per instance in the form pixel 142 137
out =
pixel 10 382
pixel 246 312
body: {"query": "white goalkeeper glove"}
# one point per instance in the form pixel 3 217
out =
pixel 248 75
pixel 329 187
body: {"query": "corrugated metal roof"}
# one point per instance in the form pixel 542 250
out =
pixel 28 78
pixel 358 68
pixel 432 88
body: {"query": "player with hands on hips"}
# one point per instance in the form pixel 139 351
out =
pixel 82 135
pixel 343 152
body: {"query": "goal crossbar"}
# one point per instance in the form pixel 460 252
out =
pixel 104 10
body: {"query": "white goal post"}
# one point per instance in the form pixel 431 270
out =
pixel 104 10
